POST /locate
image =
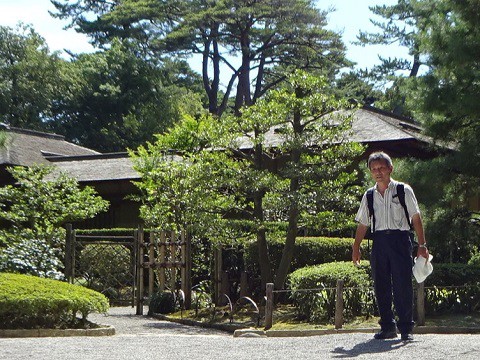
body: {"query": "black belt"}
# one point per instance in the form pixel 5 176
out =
pixel 388 232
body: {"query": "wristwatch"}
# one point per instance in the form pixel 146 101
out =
pixel 423 245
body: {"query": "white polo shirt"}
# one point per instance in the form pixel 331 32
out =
pixel 389 213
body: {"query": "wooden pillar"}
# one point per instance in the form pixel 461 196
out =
pixel 73 254
pixel 186 269
pixel 269 306
pixel 339 305
pixel 173 258
pixel 151 261
pixel 217 273
pixel 224 288
pixel 421 304
pixel 161 272
pixel 133 264
pixel 139 246
pixel 244 291
pixel 68 253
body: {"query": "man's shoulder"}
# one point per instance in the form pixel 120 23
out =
pixel 407 187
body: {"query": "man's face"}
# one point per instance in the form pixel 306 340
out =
pixel 380 170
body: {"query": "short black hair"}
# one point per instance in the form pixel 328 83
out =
pixel 380 155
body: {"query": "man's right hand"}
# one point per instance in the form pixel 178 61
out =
pixel 359 235
pixel 356 255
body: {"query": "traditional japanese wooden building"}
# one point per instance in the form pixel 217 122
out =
pixel 112 174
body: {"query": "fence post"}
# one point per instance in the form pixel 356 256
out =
pixel 421 304
pixel 339 305
pixel 269 306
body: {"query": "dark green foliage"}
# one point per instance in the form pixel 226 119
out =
pixel 33 212
pixel 450 227
pixel 319 305
pixel 162 302
pixel 450 288
pixel 30 302
pixel 118 100
pixel 453 275
pixel 268 37
pixel 30 78
pixel 453 288
pixel 307 251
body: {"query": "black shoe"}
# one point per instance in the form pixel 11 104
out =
pixel 382 335
pixel 407 337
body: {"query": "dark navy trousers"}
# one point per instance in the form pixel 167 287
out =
pixel 391 262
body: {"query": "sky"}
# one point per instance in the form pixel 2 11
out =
pixel 350 17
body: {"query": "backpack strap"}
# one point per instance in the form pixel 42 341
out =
pixel 370 208
pixel 401 199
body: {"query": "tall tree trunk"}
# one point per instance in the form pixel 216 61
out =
pixel 211 88
pixel 287 254
pixel 243 96
pixel 262 246
pixel 293 211
pixel 399 109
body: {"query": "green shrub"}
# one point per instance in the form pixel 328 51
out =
pixel 319 305
pixel 475 259
pixel 453 275
pixel 30 302
pixel 28 255
pixel 162 302
pixel 453 288
pixel 308 251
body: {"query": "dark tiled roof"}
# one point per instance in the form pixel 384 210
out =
pixel 372 125
pixel 103 167
pixel 369 125
pixel 27 147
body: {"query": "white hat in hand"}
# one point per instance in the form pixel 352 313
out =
pixel 422 268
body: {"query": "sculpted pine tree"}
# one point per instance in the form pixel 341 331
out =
pixel 301 180
pixel 247 42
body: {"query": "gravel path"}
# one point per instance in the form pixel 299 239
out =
pixel 144 338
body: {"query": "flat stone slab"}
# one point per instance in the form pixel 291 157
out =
pixel 26 333
pixel 316 332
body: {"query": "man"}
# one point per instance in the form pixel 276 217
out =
pixel 391 257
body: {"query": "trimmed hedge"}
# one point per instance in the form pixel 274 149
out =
pixel 308 251
pixel 453 288
pixel 319 305
pixel 450 288
pixel 29 302
pixel 453 275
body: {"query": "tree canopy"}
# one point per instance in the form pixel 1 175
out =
pixel 303 179
pixel 117 100
pixel 443 37
pixel 30 78
pixel 250 41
